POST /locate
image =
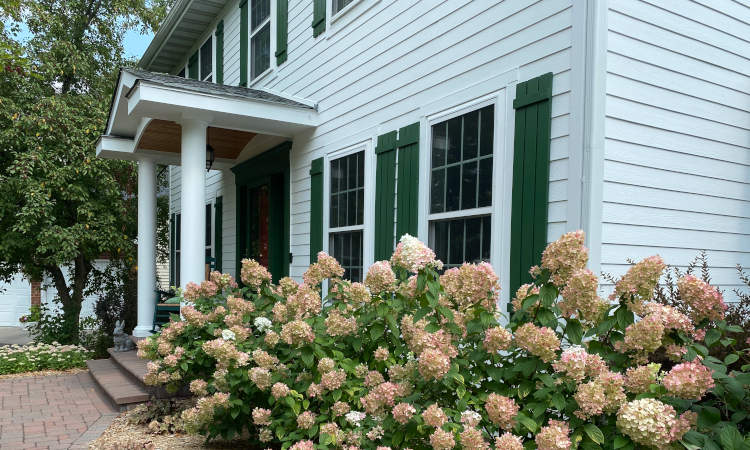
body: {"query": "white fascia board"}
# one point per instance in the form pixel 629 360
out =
pixel 246 114
pixel 114 147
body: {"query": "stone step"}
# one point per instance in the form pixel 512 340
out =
pixel 131 364
pixel 119 386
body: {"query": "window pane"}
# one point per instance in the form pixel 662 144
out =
pixel 452 188
pixel 208 225
pixel 462 173
pixel 487 129
pixel 206 60
pixel 259 11
pixel 351 170
pixel 454 140
pixel 360 206
pixel 469 185
pixel 439 144
pixel 485 182
pixel 261 48
pixel 456 241
pixel 338 5
pixel 351 216
pixel 342 209
pixel 346 247
pixel 471 134
pixel 334 218
pixel 347 190
pixel 437 191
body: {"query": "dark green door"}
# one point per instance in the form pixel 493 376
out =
pixel 263 210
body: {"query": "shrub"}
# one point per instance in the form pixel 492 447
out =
pixel 413 358
pixel 33 357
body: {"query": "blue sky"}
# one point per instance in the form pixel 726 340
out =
pixel 134 42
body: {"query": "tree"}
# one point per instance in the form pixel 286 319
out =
pixel 61 208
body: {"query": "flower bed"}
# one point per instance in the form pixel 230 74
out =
pixel 33 357
pixel 413 358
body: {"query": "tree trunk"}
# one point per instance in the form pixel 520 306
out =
pixel 71 301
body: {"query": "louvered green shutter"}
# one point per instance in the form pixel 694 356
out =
pixel 408 181
pixel 220 53
pixel 530 177
pixel 282 25
pixel 172 248
pixel 319 17
pixel 244 24
pixel 193 66
pixel 316 208
pixel 218 224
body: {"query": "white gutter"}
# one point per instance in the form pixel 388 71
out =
pixel 164 32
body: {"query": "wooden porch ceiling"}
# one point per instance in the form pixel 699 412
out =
pixel 165 136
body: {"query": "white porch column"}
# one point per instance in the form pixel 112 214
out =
pixel 146 246
pixel 193 202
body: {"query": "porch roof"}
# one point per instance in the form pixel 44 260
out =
pixel 148 107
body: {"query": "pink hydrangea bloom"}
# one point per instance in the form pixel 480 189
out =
pixel 652 423
pixel 576 363
pixel 253 274
pixel 279 390
pixel 304 303
pixel 199 387
pixel 333 379
pixel 501 410
pixel 337 324
pixel 638 380
pixel 434 416
pixel 565 256
pixel 472 438
pixel 412 255
pixel 472 284
pixel 434 364
pixel 496 339
pixel 403 412
pixel 689 380
pixel 381 354
pixel 380 277
pixel 554 436
pixel 261 416
pixel 303 445
pixel 442 440
pixel 306 420
pixel 326 267
pixel 508 441
pixel 580 298
pixel 523 292
pixel 297 333
pixel 704 301
pixel 539 341
pixel 637 286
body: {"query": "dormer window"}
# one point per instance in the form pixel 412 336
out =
pixel 206 61
pixel 260 36
pixel 338 5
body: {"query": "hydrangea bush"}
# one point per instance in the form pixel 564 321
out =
pixel 415 358
pixel 33 357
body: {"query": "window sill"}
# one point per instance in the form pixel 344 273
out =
pixel 263 77
pixel 347 15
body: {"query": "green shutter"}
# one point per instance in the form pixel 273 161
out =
pixel 172 248
pixel 316 208
pixel 530 177
pixel 244 28
pixel 385 189
pixel 319 17
pixel 193 66
pixel 282 25
pixel 220 53
pixel 407 207
pixel 218 224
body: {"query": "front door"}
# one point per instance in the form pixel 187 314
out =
pixel 263 210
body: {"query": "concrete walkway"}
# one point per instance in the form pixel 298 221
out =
pixel 64 411
pixel 14 335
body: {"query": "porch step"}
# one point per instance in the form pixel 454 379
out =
pixel 119 386
pixel 131 364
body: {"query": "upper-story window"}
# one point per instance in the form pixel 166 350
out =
pixel 206 61
pixel 260 36
pixel 338 5
pixel 461 187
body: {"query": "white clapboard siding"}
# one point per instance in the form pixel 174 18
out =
pixel 677 157
pixel 375 67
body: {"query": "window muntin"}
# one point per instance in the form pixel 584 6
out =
pixel 460 197
pixel 346 212
pixel 338 5
pixel 206 60
pixel 260 37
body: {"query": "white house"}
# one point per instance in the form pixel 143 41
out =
pixel 486 127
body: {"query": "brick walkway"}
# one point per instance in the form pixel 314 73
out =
pixel 52 412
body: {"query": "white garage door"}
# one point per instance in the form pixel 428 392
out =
pixel 15 299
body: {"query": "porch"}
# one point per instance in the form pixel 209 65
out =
pixel 164 119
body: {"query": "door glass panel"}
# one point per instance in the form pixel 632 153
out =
pixel 258 211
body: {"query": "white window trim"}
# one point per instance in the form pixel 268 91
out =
pixel 497 90
pixel 252 81
pixel 210 76
pixel 367 226
pixel 350 13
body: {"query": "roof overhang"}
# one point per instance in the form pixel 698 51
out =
pixel 147 107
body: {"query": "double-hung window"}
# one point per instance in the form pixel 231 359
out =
pixel 206 60
pixel 338 5
pixel 346 221
pixel 260 37
pixel 460 208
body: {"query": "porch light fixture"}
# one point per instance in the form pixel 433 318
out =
pixel 209 157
